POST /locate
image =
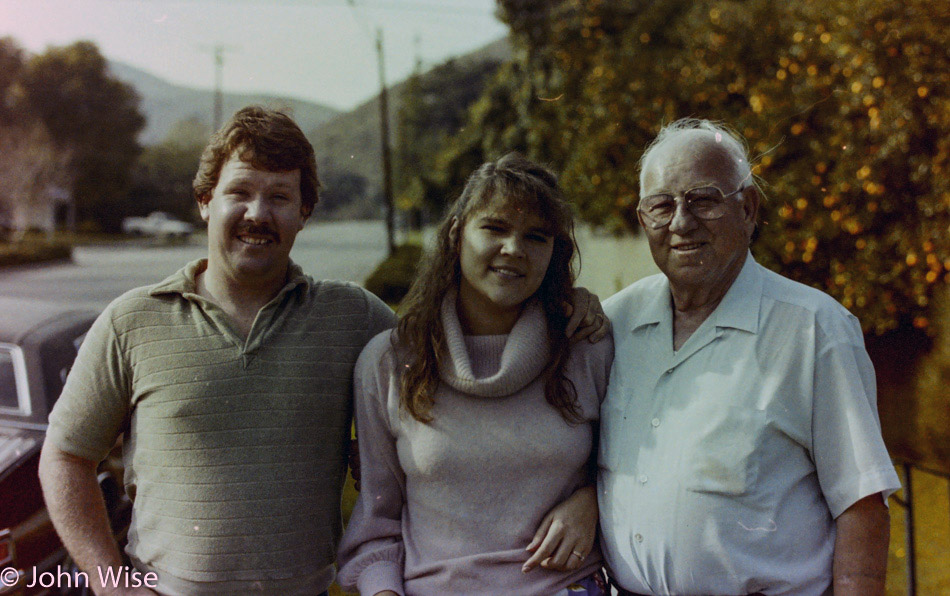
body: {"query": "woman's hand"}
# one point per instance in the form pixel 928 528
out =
pixel 587 319
pixel 566 534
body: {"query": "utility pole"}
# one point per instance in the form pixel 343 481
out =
pixel 387 158
pixel 218 99
pixel 217 52
pixel 412 106
pixel 417 44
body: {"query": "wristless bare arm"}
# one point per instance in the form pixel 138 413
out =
pixel 79 514
pixel 860 560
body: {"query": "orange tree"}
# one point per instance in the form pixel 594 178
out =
pixel 844 105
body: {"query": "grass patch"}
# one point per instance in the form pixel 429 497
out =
pixel 932 526
pixel 33 250
pixel 391 279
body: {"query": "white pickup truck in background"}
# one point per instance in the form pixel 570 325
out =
pixel 158 224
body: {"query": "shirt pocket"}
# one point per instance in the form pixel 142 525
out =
pixel 723 458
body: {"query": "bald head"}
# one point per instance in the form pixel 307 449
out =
pixel 701 249
pixel 687 138
pixel 696 156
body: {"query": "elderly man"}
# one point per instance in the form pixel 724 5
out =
pixel 741 450
pixel 231 381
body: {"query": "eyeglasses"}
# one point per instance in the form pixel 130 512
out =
pixel 705 202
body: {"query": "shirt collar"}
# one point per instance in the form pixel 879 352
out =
pixel 184 282
pixel 739 308
pixel 657 308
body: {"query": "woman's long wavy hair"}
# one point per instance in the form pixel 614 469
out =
pixel 511 182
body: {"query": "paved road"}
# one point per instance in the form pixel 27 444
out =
pixel 346 250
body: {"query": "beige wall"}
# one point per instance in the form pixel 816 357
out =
pixel 609 264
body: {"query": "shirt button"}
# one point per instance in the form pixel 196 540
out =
pixel 642 478
pixel 669 371
pixel 638 537
pixel 655 422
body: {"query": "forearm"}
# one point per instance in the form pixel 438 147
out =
pixel 860 560
pixel 78 512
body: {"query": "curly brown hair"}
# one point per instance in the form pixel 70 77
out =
pixel 419 341
pixel 267 139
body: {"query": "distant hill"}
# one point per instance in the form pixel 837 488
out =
pixel 348 145
pixel 165 104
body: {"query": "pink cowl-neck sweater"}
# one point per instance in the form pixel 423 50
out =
pixel 448 507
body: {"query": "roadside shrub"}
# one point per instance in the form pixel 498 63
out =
pixel 33 251
pixel 391 279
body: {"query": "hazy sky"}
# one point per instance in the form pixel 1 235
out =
pixel 321 50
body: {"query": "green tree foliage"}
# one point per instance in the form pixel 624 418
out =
pixel 493 125
pixel 410 187
pixel 164 172
pixel 433 108
pixel 29 160
pixel 844 104
pixel 11 64
pixel 93 115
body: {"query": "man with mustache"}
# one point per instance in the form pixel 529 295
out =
pixel 231 381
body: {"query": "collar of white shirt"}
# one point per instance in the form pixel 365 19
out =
pixel 739 308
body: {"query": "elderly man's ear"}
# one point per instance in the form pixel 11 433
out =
pixel 750 205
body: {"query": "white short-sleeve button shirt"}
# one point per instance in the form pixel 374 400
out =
pixel 724 464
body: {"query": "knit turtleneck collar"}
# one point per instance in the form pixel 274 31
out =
pixel 524 356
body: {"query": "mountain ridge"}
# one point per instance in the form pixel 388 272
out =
pixel 165 104
pixel 348 144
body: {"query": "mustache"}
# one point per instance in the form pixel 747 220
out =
pixel 257 230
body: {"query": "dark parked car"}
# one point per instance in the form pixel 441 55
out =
pixel 38 343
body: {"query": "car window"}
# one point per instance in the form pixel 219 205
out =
pixel 57 354
pixel 9 397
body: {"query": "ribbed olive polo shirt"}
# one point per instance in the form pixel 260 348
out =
pixel 233 448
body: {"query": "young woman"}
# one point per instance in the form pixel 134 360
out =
pixel 477 415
